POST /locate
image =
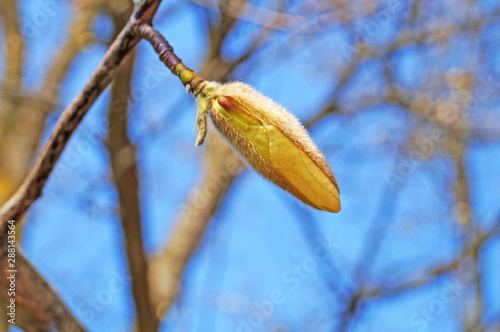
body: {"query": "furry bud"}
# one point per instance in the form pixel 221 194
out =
pixel 274 143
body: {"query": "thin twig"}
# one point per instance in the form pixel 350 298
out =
pixel 166 53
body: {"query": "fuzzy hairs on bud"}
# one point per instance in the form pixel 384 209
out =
pixel 274 143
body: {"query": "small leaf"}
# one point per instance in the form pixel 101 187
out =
pixel 201 120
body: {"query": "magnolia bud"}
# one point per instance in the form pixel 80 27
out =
pixel 274 143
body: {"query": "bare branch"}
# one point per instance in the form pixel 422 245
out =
pixel 32 187
pixel 32 110
pixel 167 269
pixel 123 158
pixel 38 307
pixel 10 87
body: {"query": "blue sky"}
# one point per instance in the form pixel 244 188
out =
pixel 258 236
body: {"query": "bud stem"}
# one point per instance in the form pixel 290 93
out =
pixel 188 77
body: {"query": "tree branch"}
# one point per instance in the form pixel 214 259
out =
pixel 38 307
pixel 32 110
pixel 32 187
pixel 123 157
pixel 10 85
pixel 167 268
